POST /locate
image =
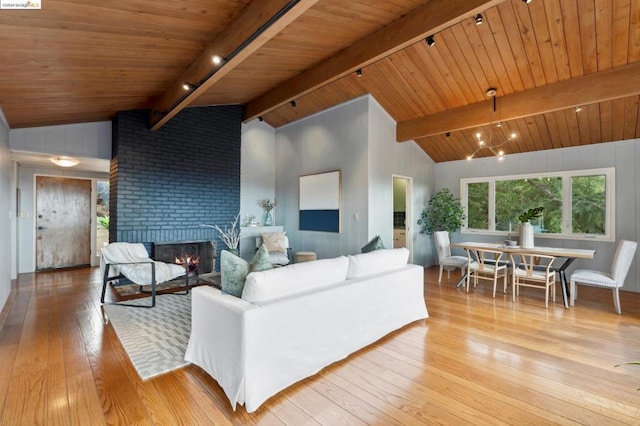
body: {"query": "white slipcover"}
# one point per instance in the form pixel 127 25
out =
pixel 255 351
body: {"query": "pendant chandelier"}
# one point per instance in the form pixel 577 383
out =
pixel 488 142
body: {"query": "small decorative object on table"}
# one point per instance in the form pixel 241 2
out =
pixel 526 228
pixel 268 206
pixel 230 236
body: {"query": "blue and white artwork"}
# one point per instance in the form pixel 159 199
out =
pixel 320 202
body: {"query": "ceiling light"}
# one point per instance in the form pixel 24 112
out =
pixel 188 86
pixel 64 161
pixel 293 104
pixel 526 1
pixel 577 109
pixel 478 19
pixel 494 148
pixel 216 59
pixel 260 118
pixel 359 72
pixel 430 41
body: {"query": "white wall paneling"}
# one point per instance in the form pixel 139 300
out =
pixel 7 213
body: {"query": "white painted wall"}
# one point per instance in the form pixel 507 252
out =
pixel 257 168
pixel 7 212
pixel 336 139
pixel 358 138
pixel 386 158
pixel 91 140
pixel 624 156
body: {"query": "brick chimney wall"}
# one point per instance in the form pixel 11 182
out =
pixel 165 183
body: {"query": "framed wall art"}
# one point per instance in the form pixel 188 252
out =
pixel 320 202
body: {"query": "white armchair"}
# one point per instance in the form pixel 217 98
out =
pixel 445 260
pixel 614 280
pixel 126 263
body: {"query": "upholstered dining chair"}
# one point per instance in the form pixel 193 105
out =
pixel 486 264
pixel 445 260
pixel 533 270
pixel 614 280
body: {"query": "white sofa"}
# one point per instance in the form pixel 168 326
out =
pixel 293 321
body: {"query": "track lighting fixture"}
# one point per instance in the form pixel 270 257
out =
pixel 578 108
pixel 527 1
pixel 447 134
pixel 430 41
pixel 216 59
pixel 359 72
pixel 478 19
pixel 293 104
pixel 188 86
pixel 260 118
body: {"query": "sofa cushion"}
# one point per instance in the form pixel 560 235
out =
pixel 377 261
pixel 374 244
pixel 235 269
pixel 269 285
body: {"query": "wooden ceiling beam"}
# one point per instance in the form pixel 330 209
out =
pixel 601 86
pixel 235 44
pixel 431 18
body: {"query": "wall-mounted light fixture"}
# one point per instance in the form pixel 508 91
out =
pixel 64 161
pixel 430 41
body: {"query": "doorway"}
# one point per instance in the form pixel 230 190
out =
pixel 402 213
pixel 63 222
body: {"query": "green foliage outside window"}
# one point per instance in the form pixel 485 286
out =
pixel 513 197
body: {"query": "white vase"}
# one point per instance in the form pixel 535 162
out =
pixel 526 235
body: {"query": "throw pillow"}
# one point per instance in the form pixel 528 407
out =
pixel 274 242
pixel 235 269
pixel 261 261
pixel 374 244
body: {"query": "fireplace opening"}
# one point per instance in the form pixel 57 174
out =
pixel 199 256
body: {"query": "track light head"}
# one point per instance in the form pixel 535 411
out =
pixel 578 108
pixel 216 59
pixel 188 86
pixel 260 118
pixel 293 104
pixel 478 19
pixel 430 41
pixel 526 1
pixel 359 72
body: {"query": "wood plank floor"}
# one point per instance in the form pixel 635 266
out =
pixel 476 360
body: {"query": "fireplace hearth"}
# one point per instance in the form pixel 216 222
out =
pixel 200 256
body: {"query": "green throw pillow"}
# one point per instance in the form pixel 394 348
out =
pixel 374 244
pixel 235 269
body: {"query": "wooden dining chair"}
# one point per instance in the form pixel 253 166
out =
pixel 486 264
pixel 533 270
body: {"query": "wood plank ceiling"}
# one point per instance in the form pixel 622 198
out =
pixel 76 62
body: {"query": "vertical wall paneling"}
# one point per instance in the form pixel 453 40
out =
pixel 6 212
pixel 257 169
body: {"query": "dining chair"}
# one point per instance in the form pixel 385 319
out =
pixel 533 270
pixel 619 268
pixel 445 259
pixel 486 264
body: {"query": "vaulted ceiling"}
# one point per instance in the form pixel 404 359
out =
pixel 73 62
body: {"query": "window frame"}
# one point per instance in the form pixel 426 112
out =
pixel 566 176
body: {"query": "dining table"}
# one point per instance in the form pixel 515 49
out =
pixel 569 254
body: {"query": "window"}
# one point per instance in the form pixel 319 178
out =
pixel 577 204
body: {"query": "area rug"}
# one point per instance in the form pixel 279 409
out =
pixel 155 338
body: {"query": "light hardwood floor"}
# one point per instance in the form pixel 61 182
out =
pixel 476 360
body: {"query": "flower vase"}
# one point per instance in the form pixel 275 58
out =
pixel 268 218
pixel 526 235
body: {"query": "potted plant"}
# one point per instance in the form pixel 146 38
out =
pixel 526 229
pixel 443 212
